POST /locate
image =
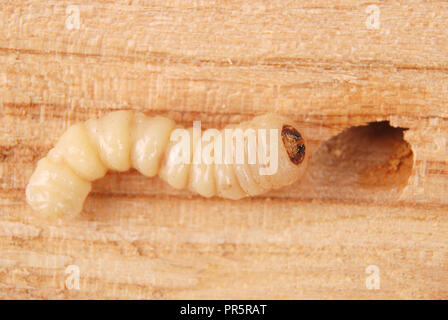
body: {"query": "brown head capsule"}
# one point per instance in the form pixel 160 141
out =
pixel 294 144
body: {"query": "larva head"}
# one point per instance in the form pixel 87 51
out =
pixel 290 146
pixel 294 144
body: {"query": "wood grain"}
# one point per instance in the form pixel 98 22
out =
pixel 221 62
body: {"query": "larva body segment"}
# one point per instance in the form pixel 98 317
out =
pixel 76 149
pixel 227 185
pixel 270 155
pixel 54 190
pixel 172 171
pixel 112 137
pixel 149 140
pixel 248 179
pixel 202 175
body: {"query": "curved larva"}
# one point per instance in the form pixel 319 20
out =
pixel 153 146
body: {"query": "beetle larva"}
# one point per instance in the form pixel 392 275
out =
pixel 211 163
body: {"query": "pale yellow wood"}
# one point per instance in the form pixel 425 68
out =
pixel 222 62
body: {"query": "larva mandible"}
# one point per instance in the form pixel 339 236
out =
pixel 122 140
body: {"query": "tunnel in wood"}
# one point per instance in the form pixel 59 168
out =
pixel 374 156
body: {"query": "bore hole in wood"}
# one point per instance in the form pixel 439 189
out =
pixel 374 156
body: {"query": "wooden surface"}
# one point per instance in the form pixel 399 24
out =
pixel 317 62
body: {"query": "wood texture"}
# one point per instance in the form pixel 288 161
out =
pixel 222 62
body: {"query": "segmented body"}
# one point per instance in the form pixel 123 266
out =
pixel 122 140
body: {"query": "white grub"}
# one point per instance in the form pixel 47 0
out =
pixel 156 146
